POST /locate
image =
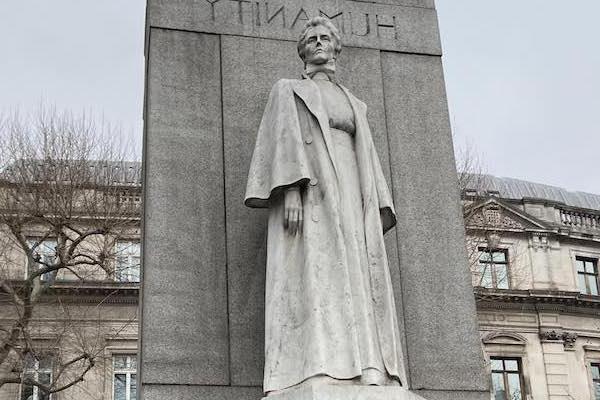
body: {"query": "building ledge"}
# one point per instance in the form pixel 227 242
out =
pixel 537 299
pixel 109 292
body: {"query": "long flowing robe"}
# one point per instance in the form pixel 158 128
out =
pixel 310 322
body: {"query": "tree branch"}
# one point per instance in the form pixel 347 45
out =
pixel 82 237
pixel 8 289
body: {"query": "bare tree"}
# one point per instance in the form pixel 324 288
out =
pixel 471 184
pixel 67 196
pixel 482 226
pixel 470 167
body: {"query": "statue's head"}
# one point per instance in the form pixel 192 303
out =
pixel 319 42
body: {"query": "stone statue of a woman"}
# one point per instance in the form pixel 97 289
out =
pixel 329 307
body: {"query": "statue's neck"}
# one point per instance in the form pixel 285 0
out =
pixel 321 71
pixel 321 76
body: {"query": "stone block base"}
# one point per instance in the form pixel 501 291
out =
pixel 454 394
pixel 344 392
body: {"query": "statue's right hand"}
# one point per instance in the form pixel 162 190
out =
pixel 293 211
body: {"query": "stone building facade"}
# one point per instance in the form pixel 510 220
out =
pixel 106 312
pixel 534 252
pixel 88 307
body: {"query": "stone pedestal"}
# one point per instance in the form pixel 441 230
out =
pixel 344 392
pixel 210 67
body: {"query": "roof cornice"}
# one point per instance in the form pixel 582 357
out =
pixel 105 292
pixel 537 299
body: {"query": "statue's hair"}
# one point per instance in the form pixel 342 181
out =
pixel 316 21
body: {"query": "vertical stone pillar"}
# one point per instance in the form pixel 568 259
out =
pixel 555 348
pixel 210 66
pixel 444 356
pixel 557 372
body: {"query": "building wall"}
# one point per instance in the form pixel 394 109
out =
pixel 97 315
pixel 542 318
pixel 106 329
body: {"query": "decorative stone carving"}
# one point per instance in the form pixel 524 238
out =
pixel 540 241
pixel 509 223
pixel 504 338
pixel 492 240
pixel 330 314
pixel 493 217
pixel 551 335
pixel 568 338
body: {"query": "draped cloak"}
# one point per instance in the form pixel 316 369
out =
pixel 310 328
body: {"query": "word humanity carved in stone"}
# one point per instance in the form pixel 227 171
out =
pixel 361 24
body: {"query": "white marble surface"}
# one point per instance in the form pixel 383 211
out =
pixel 344 392
pixel 329 302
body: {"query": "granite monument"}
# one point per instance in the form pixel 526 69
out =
pixel 211 65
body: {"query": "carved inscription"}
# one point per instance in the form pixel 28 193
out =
pixel 364 24
pixel 285 16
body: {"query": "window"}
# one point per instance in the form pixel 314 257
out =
pixel 596 379
pixel 129 196
pixel 493 268
pixel 587 275
pixel 507 379
pixel 124 377
pixel 39 370
pixel 127 268
pixel 44 252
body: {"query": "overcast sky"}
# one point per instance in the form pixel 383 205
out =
pixel 523 76
pixel 79 55
pixel 523 81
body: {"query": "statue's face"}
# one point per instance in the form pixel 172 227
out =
pixel 319 47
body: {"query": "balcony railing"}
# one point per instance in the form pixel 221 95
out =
pixel 578 219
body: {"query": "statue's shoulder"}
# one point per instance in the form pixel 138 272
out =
pixel 285 83
pixel 285 88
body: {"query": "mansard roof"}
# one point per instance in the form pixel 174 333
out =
pixel 511 188
pixel 119 173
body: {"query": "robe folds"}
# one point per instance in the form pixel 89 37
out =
pixel 310 326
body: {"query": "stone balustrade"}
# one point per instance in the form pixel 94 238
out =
pixel 579 219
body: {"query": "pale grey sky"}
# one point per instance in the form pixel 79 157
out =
pixel 523 76
pixel 77 55
pixel 523 81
